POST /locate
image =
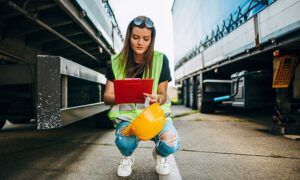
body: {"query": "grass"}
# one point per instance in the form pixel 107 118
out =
pixel 235 120
pixel 220 120
pixel 184 114
pixel 176 101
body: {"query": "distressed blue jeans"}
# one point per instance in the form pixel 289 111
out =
pixel 166 142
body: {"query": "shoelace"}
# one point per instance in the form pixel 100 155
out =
pixel 163 161
pixel 125 161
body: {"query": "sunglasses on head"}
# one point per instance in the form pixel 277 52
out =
pixel 138 21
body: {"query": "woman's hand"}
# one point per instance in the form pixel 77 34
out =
pixel 154 98
pixel 109 93
pixel 161 95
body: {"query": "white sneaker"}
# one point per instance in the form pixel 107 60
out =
pixel 162 164
pixel 125 169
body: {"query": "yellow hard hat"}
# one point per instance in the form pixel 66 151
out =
pixel 148 124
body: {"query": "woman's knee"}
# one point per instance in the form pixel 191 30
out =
pixel 169 137
pixel 168 143
pixel 126 144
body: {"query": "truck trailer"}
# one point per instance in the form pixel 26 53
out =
pixel 53 55
pixel 239 53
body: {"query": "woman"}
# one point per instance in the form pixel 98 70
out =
pixel 139 60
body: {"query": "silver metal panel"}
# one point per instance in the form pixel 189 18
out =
pixel 215 52
pixel 95 10
pixel 194 19
pixel 280 18
pixel 238 104
pixel 73 12
pixel 52 92
pixel 64 91
pixel 194 64
pixel 69 115
pixel 240 39
pixel 179 73
pixel 70 68
pixel 234 43
pixel 117 41
pixel 217 81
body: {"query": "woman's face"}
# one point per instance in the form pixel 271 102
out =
pixel 140 40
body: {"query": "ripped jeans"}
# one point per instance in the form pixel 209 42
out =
pixel 166 142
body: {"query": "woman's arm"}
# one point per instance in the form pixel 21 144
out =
pixel 109 93
pixel 161 96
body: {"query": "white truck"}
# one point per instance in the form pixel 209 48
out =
pixel 243 53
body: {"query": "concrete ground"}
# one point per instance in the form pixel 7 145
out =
pixel 226 145
pixel 234 145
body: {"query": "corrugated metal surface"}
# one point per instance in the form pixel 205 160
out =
pixel 206 25
pixel 96 13
pixel 279 19
pixel 234 43
pixel 193 19
pixel 250 25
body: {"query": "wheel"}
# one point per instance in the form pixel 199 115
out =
pixel 19 121
pixel 198 93
pixel 185 93
pixel 180 94
pixel 2 123
pixel 102 121
pixel 192 93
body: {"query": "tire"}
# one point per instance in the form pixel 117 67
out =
pixel 198 93
pixel 19 121
pixel 2 123
pixel 185 93
pixel 102 121
pixel 192 94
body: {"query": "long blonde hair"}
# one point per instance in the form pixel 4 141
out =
pixel 127 54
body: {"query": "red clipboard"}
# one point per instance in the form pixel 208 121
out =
pixel 131 90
